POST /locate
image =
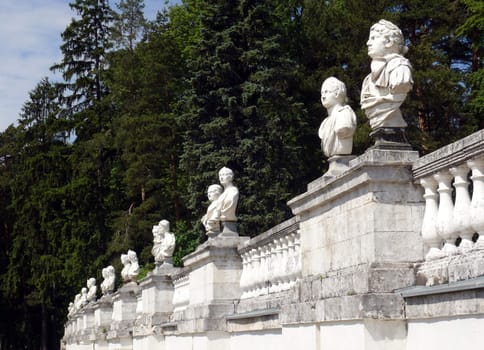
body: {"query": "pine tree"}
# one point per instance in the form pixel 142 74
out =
pixel 87 41
pixel 240 113
pixel 129 24
pixel 33 280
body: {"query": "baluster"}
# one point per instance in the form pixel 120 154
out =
pixel 283 264
pixel 477 202
pixel 291 262
pixel 297 248
pixel 271 265
pixel 429 222
pixel 256 271
pixel 262 283
pixel 243 275
pixel 460 215
pixel 279 270
pixel 445 227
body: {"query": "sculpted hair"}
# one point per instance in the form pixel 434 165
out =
pixel 392 32
pixel 336 84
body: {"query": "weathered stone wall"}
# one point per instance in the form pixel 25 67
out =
pixel 348 271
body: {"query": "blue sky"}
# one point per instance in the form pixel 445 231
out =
pixel 30 40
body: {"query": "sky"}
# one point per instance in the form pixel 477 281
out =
pixel 30 40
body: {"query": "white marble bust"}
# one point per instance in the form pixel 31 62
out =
pixel 134 266
pixel 126 266
pixel 83 300
pixel 337 130
pixel 211 220
pixel 91 289
pixel 77 303
pixel 109 275
pixel 390 80
pixel 163 242
pixel 227 202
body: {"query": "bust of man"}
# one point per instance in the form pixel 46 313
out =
pixel 211 219
pixel 336 131
pixel 109 275
pixel 386 87
pixel 92 289
pixel 163 242
pixel 227 202
pixel 134 266
pixel 126 266
pixel 83 301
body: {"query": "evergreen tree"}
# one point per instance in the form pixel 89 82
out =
pixel 240 112
pixel 129 24
pixel 33 280
pixel 87 41
pixel 145 85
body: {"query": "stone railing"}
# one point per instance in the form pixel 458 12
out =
pixel 453 182
pixel 271 262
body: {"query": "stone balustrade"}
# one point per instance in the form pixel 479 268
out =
pixel 349 265
pixel 453 182
pixel 271 262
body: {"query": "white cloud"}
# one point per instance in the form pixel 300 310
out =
pixel 30 39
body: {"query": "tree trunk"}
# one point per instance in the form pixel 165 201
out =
pixel 44 331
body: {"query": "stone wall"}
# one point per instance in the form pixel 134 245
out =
pixel 350 270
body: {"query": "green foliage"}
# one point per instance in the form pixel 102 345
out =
pixel 149 112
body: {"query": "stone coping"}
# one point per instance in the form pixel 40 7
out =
pixel 213 249
pixel 415 291
pixel 283 229
pixel 450 155
pixel 374 166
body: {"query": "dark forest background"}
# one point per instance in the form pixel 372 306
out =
pixel 149 111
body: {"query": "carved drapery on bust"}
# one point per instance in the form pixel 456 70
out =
pixel 386 87
pixel 229 198
pixel 126 266
pixel 133 270
pixel 336 131
pixel 221 212
pixel 91 289
pixel 163 242
pixel 211 220
pixel 109 275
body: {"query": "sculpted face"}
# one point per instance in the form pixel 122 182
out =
pixel 329 95
pixel 378 45
pixel 214 192
pixel 225 176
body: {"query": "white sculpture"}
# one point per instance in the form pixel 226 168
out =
pixel 386 87
pixel 83 300
pixel 126 266
pixel 70 309
pixel 163 242
pixel 336 131
pixel 133 267
pixel 77 303
pixel 109 275
pixel 211 220
pixel 92 289
pixel 227 202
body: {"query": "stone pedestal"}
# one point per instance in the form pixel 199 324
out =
pixel 370 214
pixel 103 313
pixel 338 165
pixel 124 315
pixel 390 139
pixel 215 269
pixel 157 294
